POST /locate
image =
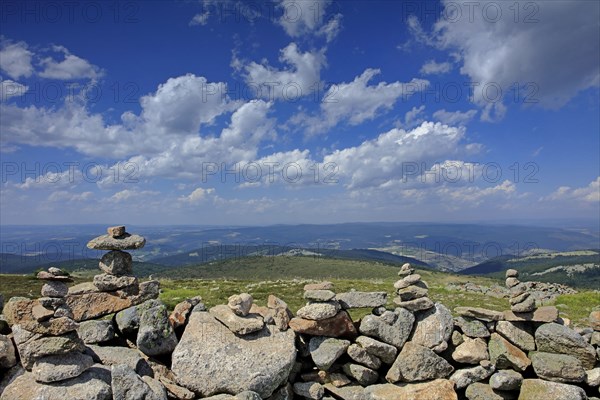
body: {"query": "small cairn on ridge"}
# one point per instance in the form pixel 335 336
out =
pixel 412 291
pixel 48 343
pixel 116 264
pixel 520 299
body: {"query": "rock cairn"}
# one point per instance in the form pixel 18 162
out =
pixel 48 344
pixel 521 300
pixel 411 290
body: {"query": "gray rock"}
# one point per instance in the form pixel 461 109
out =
pixel 157 388
pixel 8 357
pixel 504 355
pixel 407 281
pixel 557 367
pixel 309 390
pixel 61 367
pixel 361 374
pixel 96 331
pixel 55 289
pixel 110 356
pixel 472 327
pixel 394 332
pixel 413 292
pixel 248 395
pixel 93 384
pixel 350 392
pixel 386 352
pixel 325 351
pixel 284 393
pixel 319 311
pixel 471 351
pixel 117 263
pixel 240 325
pixel 418 363
pixel 506 379
pixel 526 306
pixel 123 242
pixel 512 273
pixel 32 346
pixel 210 359
pixel 457 339
pixel 536 389
pixel 592 377
pixel 518 333
pixel 156 335
pixel 420 304
pixel 40 313
pixel 361 356
pixel 319 295
pixel 519 299
pixel 479 313
pixel 432 327
pixel 109 283
pixel 464 377
pixel 126 385
pixel 555 338
pixel 64 311
pixel 481 391
pixel 355 299
pixel 128 320
pixel 240 304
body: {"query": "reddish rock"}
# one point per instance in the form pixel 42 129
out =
pixel 595 320
pixel 182 311
pixel 338 326
pixel 542 314
pixel 116 231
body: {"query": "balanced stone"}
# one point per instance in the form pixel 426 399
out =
pixel 319 311
pixel 414 291
pixel 109 283
pixel 123 242
pixel 356 299
pixel 240 304
pixel 479 313
pixel 116 231
pixel 526 306
pixel 47 276
pixel 420 304
pixel 319 295
pixel 512 273
pixel 117 263
pixel 55 289
pixel 339 325
pixel 319 286
pixel 235 323
pixel 33 346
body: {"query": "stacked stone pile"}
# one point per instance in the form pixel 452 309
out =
pixel 46 339
pixel 116 288
pixel 520 299
pixel 411 290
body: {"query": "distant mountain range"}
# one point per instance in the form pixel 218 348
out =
pixel 447 247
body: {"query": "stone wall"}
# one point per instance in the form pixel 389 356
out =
pixel 113 339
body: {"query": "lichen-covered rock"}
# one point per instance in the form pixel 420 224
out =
pixel 124 242
pixel 503 354
pixel 481 391
pixel 240 304
pixel 93 384
pixel 32 346
pixel 109 283
pixel 210 359
pixel 386 352
pixel 432 327
pixel 518 333
pixel 117 263
pixel 7 353
pixel 418 363
pixel 466 376
pixel 536 389
pixel 557 367
pixel 363 375
pixel 506 379
pixel 96 331
pixel 391 327
pixel 555 338
pixel 319 311
pixel 61 367
pixel 126 385
pixel 156 335
pixel 110 355
pixel 237 324
pixel 338 326
pixel 325 351
pixel 439 389
pixel 356 299
pixel 472 327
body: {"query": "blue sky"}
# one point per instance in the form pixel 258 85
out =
pixel 225 112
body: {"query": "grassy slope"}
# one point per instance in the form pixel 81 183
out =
pixel 286 276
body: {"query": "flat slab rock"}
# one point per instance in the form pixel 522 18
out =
pixel 350 300
pixel 439 389
pixel 124 242
pixel 542 314
pixel 480 313
pixel 210 359
pixel 93 384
